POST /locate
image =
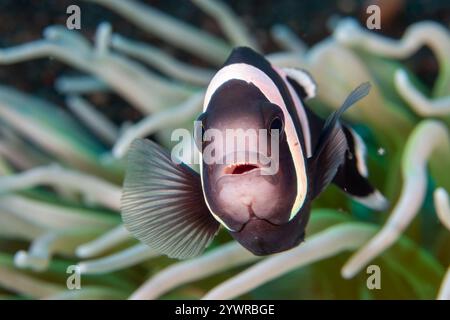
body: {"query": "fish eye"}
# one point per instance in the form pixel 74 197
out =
pixel 277 124
pixel 202 119
pixel 203 131
pixel 199 136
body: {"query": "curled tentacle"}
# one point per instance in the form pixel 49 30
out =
pixel 117 261
pixel 103 243
pixel 162 61
pixel 225 257
pixel 320 246
pixel 170 29
pixel 232 26
pixel 152 123
pixel 420 104
pixel 93 119
pixel 287 39
pixel 441 203
pixel 101 191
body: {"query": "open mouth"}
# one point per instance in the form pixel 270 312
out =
pixel 240 168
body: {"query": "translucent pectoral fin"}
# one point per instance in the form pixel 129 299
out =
pixel 163 204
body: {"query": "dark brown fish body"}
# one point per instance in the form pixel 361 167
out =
pixel 177 211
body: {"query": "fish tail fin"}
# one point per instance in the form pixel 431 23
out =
pixel 352 175
pixel 163 204
pixel 329 153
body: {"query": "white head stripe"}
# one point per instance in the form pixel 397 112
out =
pixel 248 73
pixel 251 74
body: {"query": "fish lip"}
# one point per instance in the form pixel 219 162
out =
pixel 228 170
pixel 262 161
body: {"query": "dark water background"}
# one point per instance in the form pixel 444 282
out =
pixel 24 20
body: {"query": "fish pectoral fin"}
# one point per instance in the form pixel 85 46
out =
pixel 332 144
pixel 325 163
pixel 352 175
pixel 163 203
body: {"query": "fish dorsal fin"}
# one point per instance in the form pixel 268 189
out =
pixel 326 161
pixel 305 83
pixel 249 56
pixel 163 204
pixel 360 92
pixel 332 144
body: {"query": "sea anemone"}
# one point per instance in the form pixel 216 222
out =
pixel 61 170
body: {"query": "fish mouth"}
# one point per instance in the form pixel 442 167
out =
pixel 244 162
pixel 240 168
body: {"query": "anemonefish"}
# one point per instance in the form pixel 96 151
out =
pixel 177 211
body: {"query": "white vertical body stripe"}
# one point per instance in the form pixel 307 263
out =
pixel 304 79
pixel 300 111
pixel 206 200
pixel 250 74
pixel 360 153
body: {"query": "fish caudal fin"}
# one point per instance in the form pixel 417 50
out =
pixel 163 204
pixel 352 175
pixel 331 147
